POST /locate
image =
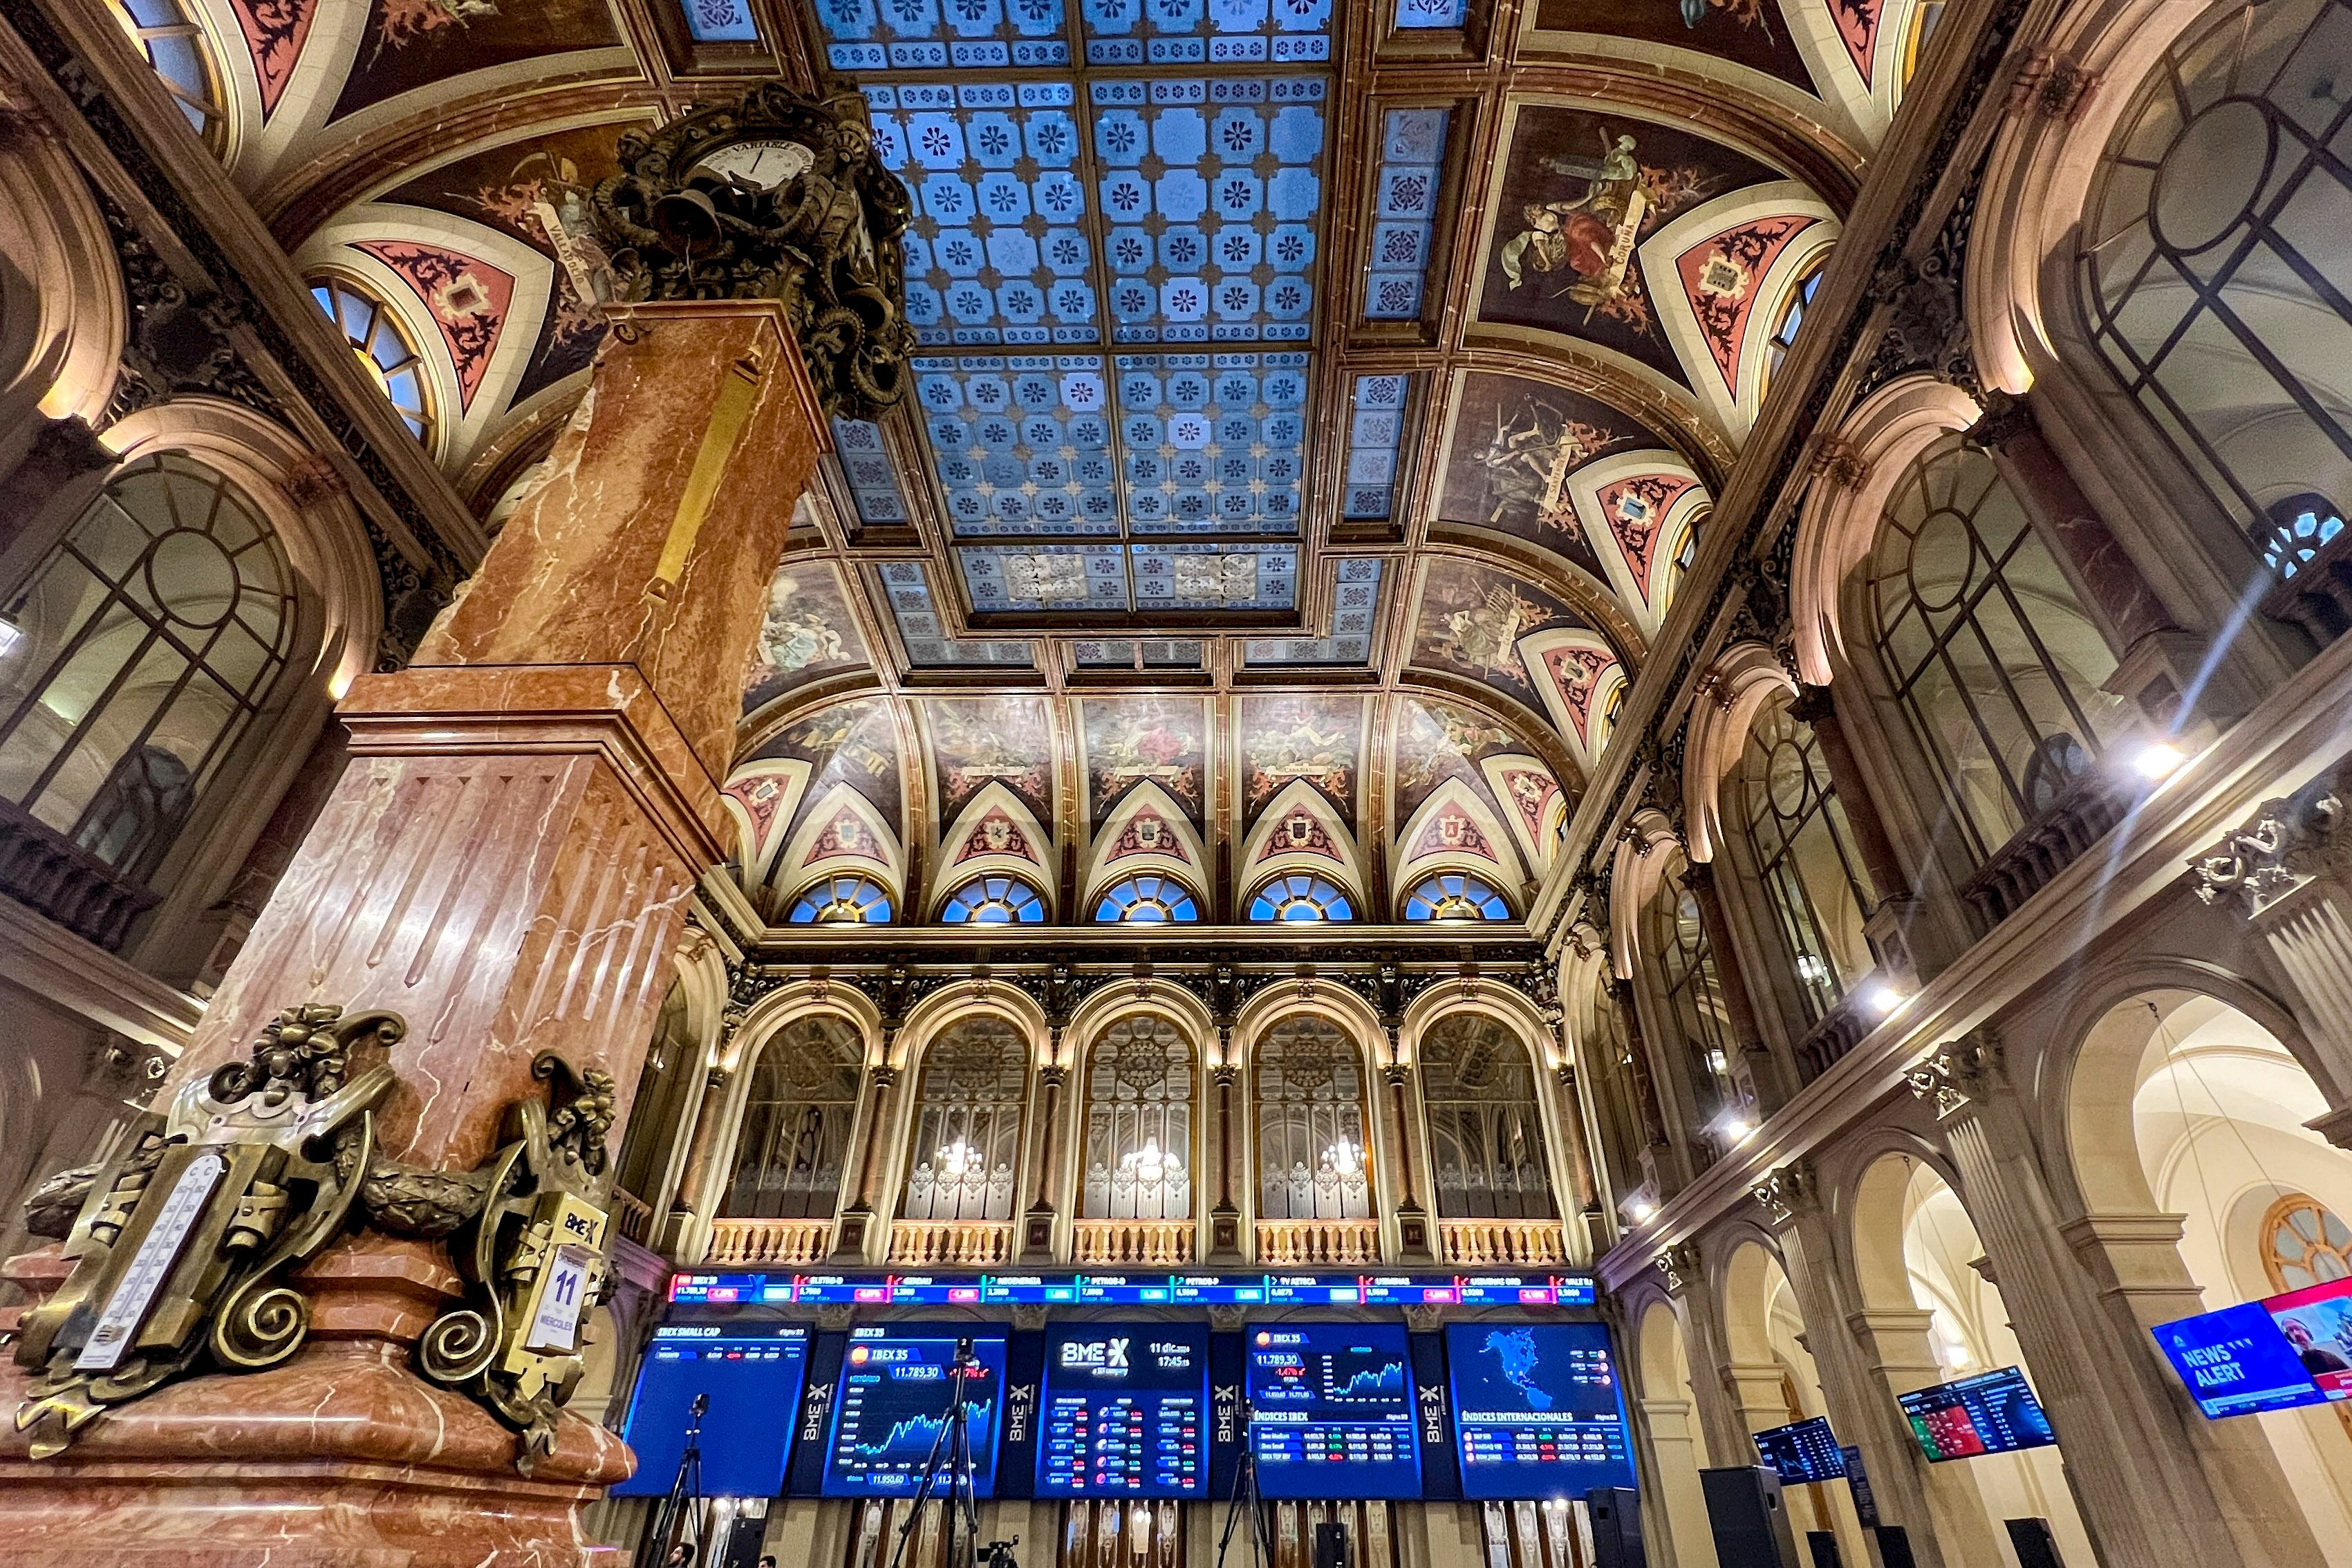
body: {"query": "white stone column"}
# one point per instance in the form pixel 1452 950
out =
pixel 1862 1365
pixel 1709 1353
pixel 1687 1540
pixel 2134 1451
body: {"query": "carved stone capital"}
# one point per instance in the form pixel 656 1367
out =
pixel 1682 1265
pixel 1788 1192
pixel 1962 1074
pixel 2290 840
pixel 827 240
pixel 2005 419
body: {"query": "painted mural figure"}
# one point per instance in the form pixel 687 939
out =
pixel 1589 237
pixel 1522 466
pixel 794 634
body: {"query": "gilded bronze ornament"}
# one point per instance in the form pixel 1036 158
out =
pixel 181 1241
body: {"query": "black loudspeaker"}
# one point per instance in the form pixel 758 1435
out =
pixel 1824 1547
pixel 1330 1546
pixel 1616 1515
pixel 1751 1521
pixel 2034 1545
pixel 1894 1547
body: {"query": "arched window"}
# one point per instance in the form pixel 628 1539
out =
pixel 137 655
pixel 1924 20
pixel 1138 1124
pixel 843 901
pixel 1989 653
pixel 376 336
pixel 792 1157
pixel 1454 895
pixel 1312 1154
pixel 2301 526
pixel 2212 257
pixel 1692 992
pixel 673 1067
pixel 1803 854
pixel 183 57
pixel 967 1146
pixel 1300 897
pixel 1792 316
pixel 1486 1132
pixel 994 902
pixel 1147 900
pixel 2305 1243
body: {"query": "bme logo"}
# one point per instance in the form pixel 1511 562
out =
pixel 1108 1354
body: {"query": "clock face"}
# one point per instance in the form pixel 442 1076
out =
pixel 761 163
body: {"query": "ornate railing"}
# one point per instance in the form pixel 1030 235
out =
pixel 632 1215
pixel 2043 847
pixel 1841 1030
pixel 49 872
pixel 1135 1241
pixel 1319 1241
pixel 769 1241
pixel 1503 1240
pixel 961 1243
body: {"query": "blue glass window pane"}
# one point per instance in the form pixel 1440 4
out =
pixel 907 584
pixel 1214 441
pixel 1452 896
pixel 994 902
pixel 1300 897
pixel 720 22
pixel 1147 900
pixel 1356 609
pixel 1191 32
pixel 1021 443
pixel 843 901
pixel 1404 210
pixel 927 35
pixel 1376 428
pixel 1431 13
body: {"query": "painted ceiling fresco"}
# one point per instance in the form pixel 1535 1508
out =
pixel 1233 441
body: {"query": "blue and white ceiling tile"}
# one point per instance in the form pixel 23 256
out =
pixel 929 35
pixel 1375 432
pixel 1211 190
pixel 1021 443
pixel 720 21
pixel 1215 577
pixel 916 609
pixel 1124 653
pixel 872 479
pixel 1355 612
pixel 1187 32
pixel 1090 578
pixel 1212 441
pixel 1405 212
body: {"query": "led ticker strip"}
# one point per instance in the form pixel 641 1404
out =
pixel 1136 1290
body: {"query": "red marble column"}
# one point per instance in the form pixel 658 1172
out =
pixel 506 863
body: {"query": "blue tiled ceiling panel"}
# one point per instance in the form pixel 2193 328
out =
pixel 1187 32
pixel 1022 442
pixel 872 479
pixel 1191 577
pixel 913 607
pixel 720 21
pixel 1355 611
pixel 1085 577
pixel 1209 192
pixel 1120 653
pixel 1375 428
pixel 926 35
pixel 996 253
pixel 1212 441
pixel 1431 13
pixel 1405 211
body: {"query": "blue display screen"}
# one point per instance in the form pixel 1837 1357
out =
pixel 752 1374
pixel 1537 1412
pixel 2236 1361
pixel 1331 1411
pixel 1126 1411
pixel 896 1388
pixel 1804 1451
pixel 1993 1413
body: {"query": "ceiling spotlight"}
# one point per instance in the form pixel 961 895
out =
pixel 1882 999
pixel 1642 1210
pixel 1738 1128
pixel 2158 759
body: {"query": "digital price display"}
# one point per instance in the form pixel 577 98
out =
pixel 2236 1361
pixel 1804 1451
pixel 1126 1411
pixel 892 1403
pixel 2317 1323
pixel 752 1374
pixel 1537 1412
pixel 1331 1411
pixel 1992 1413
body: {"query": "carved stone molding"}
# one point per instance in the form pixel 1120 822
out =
pixel 1788 1192
pixel 1682 1268
pixel 2291 840
pixel 1961 1076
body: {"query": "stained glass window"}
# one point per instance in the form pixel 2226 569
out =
pixel 872 479
pixel 994 901
pixel 1355 611
pixel 967 1141
pixel 843 901
pixel 907 584
pixel 1451 896
pixel 1405 211
pixel 1376 428
pixel 720 21
pixel 175 44
pixel 383 345
pixel 1147 900
pixel 1139 1137
pixel 1300 897
pixel 2302 527
pixel 924 35
pixel 1313 1157
pixel 1413 13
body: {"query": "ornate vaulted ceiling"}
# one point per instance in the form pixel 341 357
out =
pixel 1316 404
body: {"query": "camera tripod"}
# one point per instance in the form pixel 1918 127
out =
pixel 951 1452
pixel 1246 1500
pixel 679 1515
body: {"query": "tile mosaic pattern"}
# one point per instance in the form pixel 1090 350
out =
pixel 872 479
pixel 1404 210
pixel 929 35
pixel 1212 441
pixel 912 604
pixel 1210 194
pixel 720 21
pixel 1356 610
pixel 1375 430
pixel 1417 14
pixel 1021 443
pixel 996 255
pixel 1090 577
pixel 1120 653
pixel 1187 32
pixel 1211 577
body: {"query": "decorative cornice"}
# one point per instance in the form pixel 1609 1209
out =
pixel 2291 840
pixel 1683 1267
pixel 1961 1076
pixel 1788 1192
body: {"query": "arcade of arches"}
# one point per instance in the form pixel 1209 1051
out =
pixel 1697 648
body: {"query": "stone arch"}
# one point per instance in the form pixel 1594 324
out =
pixel 63 317
pixel 1743 680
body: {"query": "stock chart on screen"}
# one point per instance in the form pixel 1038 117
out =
pixel 1332 1411
pixel 892 1403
